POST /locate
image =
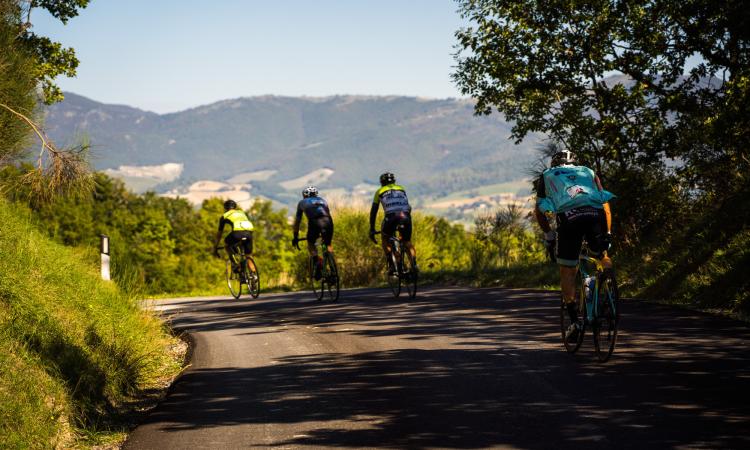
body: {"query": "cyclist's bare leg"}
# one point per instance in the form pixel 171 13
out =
pixel 386 244
pixel 568 283
pixel 312 249
pixel 412 249
pixel 251 264
pixel 568 288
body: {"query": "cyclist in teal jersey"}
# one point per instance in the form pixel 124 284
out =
pixel 574 195
pixel 241 230
pixel 397 215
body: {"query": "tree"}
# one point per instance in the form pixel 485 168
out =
pixel 549 66
pixel 52 58
pixel 29 62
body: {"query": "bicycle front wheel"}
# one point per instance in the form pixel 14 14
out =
pixel 410 275
pixel 331 276
pixel 253 277
pixel 234 282
pixel 607 318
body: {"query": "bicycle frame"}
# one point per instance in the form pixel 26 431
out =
pixel 585 263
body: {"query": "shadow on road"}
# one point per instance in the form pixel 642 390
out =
pixel 677 378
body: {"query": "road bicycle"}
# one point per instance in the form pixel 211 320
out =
pixel 597 300
pixel 400 271
pixel 239 272
pixel 329 273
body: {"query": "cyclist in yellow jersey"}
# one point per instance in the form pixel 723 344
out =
pixel 240 228
pixel 397 213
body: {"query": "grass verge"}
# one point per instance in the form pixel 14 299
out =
pixel 75 351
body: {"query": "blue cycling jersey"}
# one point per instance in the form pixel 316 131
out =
pixel 566 187
pixel 313 208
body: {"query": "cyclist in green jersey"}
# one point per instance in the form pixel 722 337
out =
pixel 573 195
pixel 397 215
pixel 241 230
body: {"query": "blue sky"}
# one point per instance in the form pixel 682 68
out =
pixel 169 55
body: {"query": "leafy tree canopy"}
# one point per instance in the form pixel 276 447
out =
pixel 553 67
pixel 52 58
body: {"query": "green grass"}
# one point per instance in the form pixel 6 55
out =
pixel 73 349
pixel 543 275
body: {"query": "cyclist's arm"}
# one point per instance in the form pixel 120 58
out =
pixel 541 193
pixel 297 220
pixel 542 220
pixel 607 210
pixel 220 232
pixel 374 214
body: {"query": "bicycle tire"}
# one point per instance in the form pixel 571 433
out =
pixel 605 324
pixel 233 280
pixel 318 286
pixel 331 276
pixel 410 274
pixel 565 322
pixel 394 281
pixel 253 284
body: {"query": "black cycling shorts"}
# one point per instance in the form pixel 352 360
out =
pixel 236 236
pixel 400 221
pixel 323 227
pixel 575 225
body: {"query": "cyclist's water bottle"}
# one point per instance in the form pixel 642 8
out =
pixel 588 289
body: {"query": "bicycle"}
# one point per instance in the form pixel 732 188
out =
pixel 238 271
pixel 406 272
pixel 597 299
pixel 329 279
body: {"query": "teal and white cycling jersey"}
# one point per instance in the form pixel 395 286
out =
pixel 566 187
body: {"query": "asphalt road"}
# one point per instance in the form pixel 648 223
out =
pixel 454 368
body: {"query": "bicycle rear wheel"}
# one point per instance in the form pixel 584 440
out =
pixel 252 277
pixel 331 276
pixel 410 275
pixel 573 344
pixel 608 316
pixel 393 279
pixel 318 286
pixel 233 280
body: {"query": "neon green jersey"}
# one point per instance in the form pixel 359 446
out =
pixel 393 198
pixel 239 220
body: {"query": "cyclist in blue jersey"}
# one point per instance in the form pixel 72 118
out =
pixel 241 230
pixel 574 195
pixel 319 223
pixel 397 214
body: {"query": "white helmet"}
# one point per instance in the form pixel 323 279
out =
pixel 310 191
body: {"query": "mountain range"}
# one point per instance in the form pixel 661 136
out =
pixel 436 146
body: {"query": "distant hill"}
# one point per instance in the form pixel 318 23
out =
pixel 434 146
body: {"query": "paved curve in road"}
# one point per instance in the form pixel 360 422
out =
pixel 454 368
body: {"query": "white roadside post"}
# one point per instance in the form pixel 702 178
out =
pixel 104 249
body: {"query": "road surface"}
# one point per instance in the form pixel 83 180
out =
pixel 454 368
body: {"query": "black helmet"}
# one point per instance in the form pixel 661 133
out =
pixel 562 157
pixel 310 191
pixel 387 178
pixel 229 204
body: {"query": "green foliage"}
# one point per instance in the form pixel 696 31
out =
pixel 16 91
pixel 669 133
pixel 72 347
pixel 543 65
pixel 505 238
pixel 52 59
